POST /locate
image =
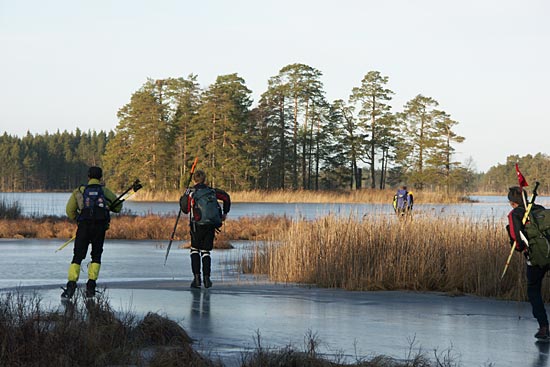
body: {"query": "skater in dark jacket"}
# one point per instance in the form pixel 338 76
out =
pixel 206 216
pixel 535 273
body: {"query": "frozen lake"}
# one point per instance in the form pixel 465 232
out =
pixel 225 319
pixel 486 207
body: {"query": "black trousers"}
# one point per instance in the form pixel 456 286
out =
pixel 202 242
pixel 89 233
pixel 535 276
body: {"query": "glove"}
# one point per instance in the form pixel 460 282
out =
pixel 136 186
pixel 520 246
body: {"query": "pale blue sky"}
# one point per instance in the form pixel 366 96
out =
pixel 71 63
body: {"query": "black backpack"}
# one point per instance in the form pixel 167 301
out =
pixel 94 204
pixel 206 207
pixel 538 233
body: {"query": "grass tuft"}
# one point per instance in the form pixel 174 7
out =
pixel 10 210
pixel 86 333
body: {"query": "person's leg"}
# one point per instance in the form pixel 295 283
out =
pixel 81 242
pixel 196 267
pixel 207 246
pixel 206 265
pixel 535 276
pixel 195 258
pixel 98 239
pixel 79 253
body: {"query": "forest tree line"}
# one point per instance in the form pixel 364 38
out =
pixel 293 139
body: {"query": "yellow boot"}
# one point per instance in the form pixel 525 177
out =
pixel 93 271
pixel 93 274
pixel 74 273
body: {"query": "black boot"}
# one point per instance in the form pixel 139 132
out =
pixel 207 281
pixel 69 291
pixel 543 333
pixel 90 288
pixel 196 283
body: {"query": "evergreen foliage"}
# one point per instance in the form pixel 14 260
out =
pixel 535 168
pixel 293 139
pixel 56 161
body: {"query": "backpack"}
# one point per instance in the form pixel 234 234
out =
pixel 206 203
pixel 401 198
pixel 94 204
pixel 538 233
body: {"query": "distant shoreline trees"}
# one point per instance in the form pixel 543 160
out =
pixel 52 161
pixel 293 139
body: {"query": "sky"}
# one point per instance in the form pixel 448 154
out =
pixel 72 63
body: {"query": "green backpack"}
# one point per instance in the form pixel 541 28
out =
pixel 538 233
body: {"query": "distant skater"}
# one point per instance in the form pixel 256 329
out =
pixel 89 205
pixel 206 216
pixel 536 266
pixel 403 201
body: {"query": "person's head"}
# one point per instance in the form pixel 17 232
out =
pixel 199 177
pixel 515 195
pixel 403 187
pixel 95 172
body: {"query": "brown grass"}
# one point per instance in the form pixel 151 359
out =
pixel 85 333
pixel 291 356
pixel 452 255
pixel 307 196
pixel 151 227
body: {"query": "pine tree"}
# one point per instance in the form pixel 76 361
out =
pixel 371 97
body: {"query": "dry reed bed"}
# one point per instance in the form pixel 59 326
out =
pixel 377 253
pixel 453 255
pixel 151 227
pixel 308 196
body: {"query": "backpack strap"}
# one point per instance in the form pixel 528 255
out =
pixel 78 193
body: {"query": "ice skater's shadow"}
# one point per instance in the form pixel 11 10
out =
pixel 544 349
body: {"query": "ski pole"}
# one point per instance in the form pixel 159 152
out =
pixel 125 195
pixel 179 211
pixel 172 237
pixel 65 244
pixel 523 221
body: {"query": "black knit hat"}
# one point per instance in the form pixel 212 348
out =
pixel 95 172
pixel 514 194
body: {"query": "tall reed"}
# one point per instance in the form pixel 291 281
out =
pixel 454 255
pixel 11 210
pixel 308 196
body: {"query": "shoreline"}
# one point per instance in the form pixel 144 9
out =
pixel 282 314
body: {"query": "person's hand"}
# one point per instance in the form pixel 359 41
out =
pixel 136 185
pixel 223 217
pixel 520 246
